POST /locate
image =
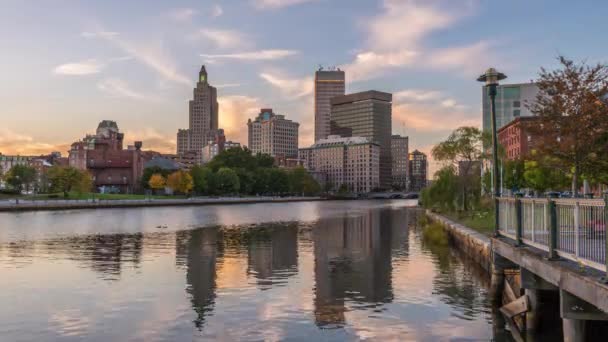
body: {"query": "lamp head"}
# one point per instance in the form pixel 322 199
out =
pixel 491 77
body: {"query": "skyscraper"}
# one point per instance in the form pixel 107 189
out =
pixel 418 171
pixel 328 84
pixel 399 155
pixel 367 114
pixel 511 102
pixel 203 116
pixel 272 134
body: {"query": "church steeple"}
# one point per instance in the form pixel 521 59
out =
pixel 202 75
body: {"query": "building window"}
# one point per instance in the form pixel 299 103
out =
pixel 516 113
pixel 516 104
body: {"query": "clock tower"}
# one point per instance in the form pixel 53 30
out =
pixel 202 75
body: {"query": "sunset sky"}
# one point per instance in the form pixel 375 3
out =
pixel 66 65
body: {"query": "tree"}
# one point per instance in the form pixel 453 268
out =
pixel 246 180
pixel 227 181
pixel 443 192
pixel 66 179
pixel 279 183
pixel 301 182
pixel 261 181
pixel 149 171
pixel 541 176
pixel 203 179
pixel 264 160
pixel 20 176
pixel 157 182
pixel 572 110
pixel 236 157
pixel 513 171
pixel 462 149
pixel 180 181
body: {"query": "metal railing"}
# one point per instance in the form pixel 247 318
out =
pixel 573 229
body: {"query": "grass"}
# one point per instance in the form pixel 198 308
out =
pixel 433 233
pixel 480 220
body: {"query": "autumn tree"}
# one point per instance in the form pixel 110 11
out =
pixel 66 179
pixel 180 181
pixel 572 111
pixel 463 150
pixel 157 182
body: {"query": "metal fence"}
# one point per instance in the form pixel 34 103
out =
pixel 574 229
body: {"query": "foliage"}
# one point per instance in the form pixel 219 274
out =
pixel 572 110
pixel 20 176
pixel 203 179
pixel 180 181
pixel 238 157
pixel 227 181
pixel 443 192
pixel 149 171
pixel 157 181
pixel 301 182
pixel 513 173
pixel 463 149
pixel 279 181
pixel 541 176
pixel 66 179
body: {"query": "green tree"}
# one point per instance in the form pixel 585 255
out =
pixel 237 157
pixel 66 179
pixel 279 181
pixel 227 181
pixel 204 180
pixel 301 182
pixel 246 180
pixel 443 192
pixel 21 177
pixel 513 171
pixel 572 113
pixel 264 160
pixel 541 176
pixel 463 149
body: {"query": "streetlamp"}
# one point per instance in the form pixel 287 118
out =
pixel 491 78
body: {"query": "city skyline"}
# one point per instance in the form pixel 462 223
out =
pixel 137 66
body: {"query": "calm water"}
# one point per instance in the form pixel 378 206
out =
pixel 318 271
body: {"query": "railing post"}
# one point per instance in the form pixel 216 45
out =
pixel 577 213
pixel 533 235
pixel 552 230
pixel 518 223
pixel 606 235
pixel 496 218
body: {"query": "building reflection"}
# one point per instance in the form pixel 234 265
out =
pixel 273 254
pixel 198 251
pixel 353 262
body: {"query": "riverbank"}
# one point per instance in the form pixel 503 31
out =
pixel 473 243
pixel 33 205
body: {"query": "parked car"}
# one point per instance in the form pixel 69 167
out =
pixel 552 194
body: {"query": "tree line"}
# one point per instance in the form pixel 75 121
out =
pixel 234 171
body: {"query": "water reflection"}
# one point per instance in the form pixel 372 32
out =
pixel 347 275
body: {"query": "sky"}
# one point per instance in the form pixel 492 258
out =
pixel 66 65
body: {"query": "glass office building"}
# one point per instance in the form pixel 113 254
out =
pixel 512 101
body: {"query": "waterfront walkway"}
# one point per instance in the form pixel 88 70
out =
pixel 29 205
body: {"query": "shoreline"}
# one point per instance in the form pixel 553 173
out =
pixel 52 205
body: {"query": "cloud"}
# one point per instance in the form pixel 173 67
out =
pixel 152 139
pixel 217 11
pixel 153 56
pixel 291 87
pixel 274 4
pixel 118 88
pixel 234 112
pixel 434 97
pixel 13 143
pixel 88 67
pixel 227 85
pixel 261 55
pixel 182 14
pixel 223 39
pixel 396 39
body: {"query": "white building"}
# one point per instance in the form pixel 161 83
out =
pixel 353 162
pixel 272 134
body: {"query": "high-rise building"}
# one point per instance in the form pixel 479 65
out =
pixel 272 134
pixel 400 156
pixel 366 114
pixel 418 171
pixel 353 162
pixel 203 116
pixel 328 84
pixel 512 101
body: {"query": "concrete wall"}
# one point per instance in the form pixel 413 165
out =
pixel 476 245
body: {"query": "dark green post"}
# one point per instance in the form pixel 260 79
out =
pixel 552 231
pixel 606 234
pixel 518 223
pixel 496 218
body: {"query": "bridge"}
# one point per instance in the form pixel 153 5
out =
pixel 559 248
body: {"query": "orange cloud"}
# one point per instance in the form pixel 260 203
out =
pixel 13 143
pixel 233 115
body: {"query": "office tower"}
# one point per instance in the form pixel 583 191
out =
pixel 366 114
pixel 272 134
pixel 202 118
pixel 418 171
pixel 512 101
pixel 328 84
pixel 400 156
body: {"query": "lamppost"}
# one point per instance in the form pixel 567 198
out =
pixel 491 78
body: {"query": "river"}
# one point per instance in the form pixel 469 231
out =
pixel 309 271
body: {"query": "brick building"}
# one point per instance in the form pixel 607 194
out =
pixel 112 167
pixel 517 138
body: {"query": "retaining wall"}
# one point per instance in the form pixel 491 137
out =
pixel 476 245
